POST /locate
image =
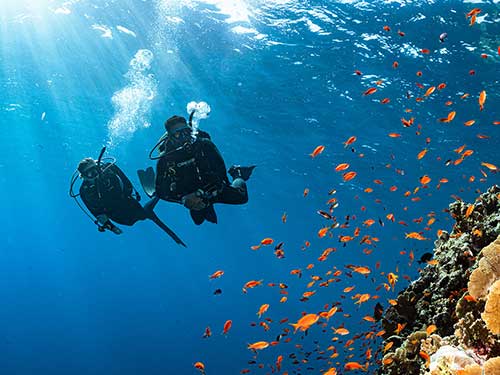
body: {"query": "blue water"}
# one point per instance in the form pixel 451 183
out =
pixel 279 78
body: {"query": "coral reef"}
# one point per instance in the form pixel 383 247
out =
pixel 491 314
pixel 451 294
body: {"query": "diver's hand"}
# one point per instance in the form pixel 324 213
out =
pixel 194 201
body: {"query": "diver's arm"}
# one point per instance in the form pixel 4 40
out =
pixel 215 159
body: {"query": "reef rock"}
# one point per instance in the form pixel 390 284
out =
pixel 447 296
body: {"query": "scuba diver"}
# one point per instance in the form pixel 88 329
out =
pixel 192 172
pixel 109 195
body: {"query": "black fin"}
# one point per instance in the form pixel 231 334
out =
pixel 210 214
pixel 148 181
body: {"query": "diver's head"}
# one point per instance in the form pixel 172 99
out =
pixel 88 169
pixel 175 123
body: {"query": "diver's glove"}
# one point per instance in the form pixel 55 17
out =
pixel 195 201
pixel 104 223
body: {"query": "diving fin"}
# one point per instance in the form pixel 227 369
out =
pixel 148 181
pixel 210 215
pixel 152 216
pixel 237 171
pixel 197 216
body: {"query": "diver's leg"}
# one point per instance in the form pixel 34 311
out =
pixel 236 193
pixel 150 206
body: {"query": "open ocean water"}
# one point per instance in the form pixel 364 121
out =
pixel 281 77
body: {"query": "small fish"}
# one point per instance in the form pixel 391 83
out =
pixel 482 99
pixel 318 150
pixel 350 141
pixel 370 91
pixel 216 275
pixel 490 166
pixel 349 176
pixel 259 345
pixel 227 326
pixel 353 366
pixel 341 167
pixel 443 37
pixel 207 333
pixel 263 309
pixel 200 366
pixel 217 292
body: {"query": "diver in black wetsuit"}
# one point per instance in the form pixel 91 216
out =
pixel 109 195
pixel 192 172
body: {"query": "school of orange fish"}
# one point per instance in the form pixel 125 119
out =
pixel 344 343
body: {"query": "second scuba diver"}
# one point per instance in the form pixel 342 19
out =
pixel 109 195
pixel 192 172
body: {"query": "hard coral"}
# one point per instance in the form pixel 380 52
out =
pixel 448 359
pixel 492 366
pixel 487 272
pixel 491 314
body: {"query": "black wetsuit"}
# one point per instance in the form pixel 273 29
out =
pixel 185 168
pixel 113 195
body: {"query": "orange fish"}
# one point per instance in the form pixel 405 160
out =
pixel 251 284
pixel 322 232
pixel 341 167
pixel 350 141
pixel 341 331
pixel 387 28
pixel 431 329
pixel 424 180
pixel 200 366
pixel 470 122
pixel 490 166
pixel 305 322
pixel 284 217
pixel 430 90
pixel 385 100
pixel 349 176
pixel 394 135
pixel 469 210
pixel 227 326
pixel 395 64
pixel 216 275
pixel 267 241
pixel 388 346
pixel 425 51
pixel 263 309
pixel 306 192
pixel 441 86
pixel 421 154
pixel 399 328
pixel 259 345
pixel 482 99
pixel 415 236
pixel 370 91
pixel 354 366
pixel 318 150
pixel 362 270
